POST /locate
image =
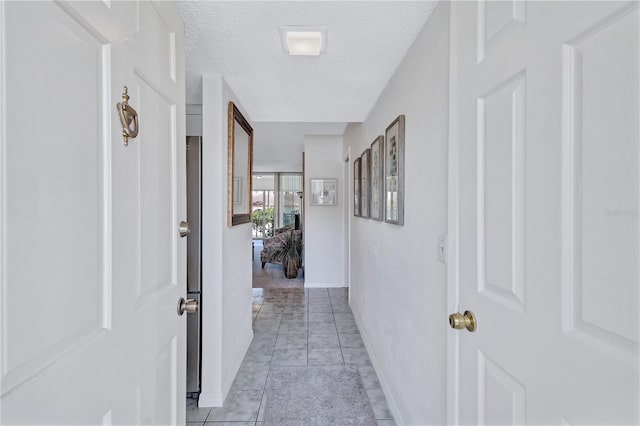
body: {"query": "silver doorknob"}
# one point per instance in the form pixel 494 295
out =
pixel 459 321
pixel 189 306
pixel 184 229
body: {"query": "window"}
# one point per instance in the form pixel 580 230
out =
pixel 276 202
pixel 289 198
pixel 263 205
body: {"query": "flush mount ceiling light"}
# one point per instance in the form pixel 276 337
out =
pixel 302 40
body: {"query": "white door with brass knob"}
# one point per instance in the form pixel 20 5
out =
pixel 544 213
pixel 91 257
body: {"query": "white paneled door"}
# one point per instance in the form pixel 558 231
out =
pixel 92 265
pixel 546 156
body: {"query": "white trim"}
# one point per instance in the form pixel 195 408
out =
pixel 348 212
pixel 210 399
pixel 453 293
pixel 213 217
pixel 3 194
pixel 107 196
pixel 391 402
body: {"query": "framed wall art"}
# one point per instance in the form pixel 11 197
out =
pixel 376 209
pixel 324 192
pixel 356 187
pixel 239 167
pixel 365 182
pixel 394 172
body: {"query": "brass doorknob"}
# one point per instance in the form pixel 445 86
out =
pixel 189 306
pixel 460 321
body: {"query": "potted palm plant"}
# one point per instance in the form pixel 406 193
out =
pixel 290 251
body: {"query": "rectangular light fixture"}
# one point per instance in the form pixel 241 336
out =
pixel 304 43
pixel 303 40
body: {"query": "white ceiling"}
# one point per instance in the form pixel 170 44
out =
pixel 277 147
pixel 289 97
pixel 240 40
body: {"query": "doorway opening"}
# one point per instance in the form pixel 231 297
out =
pixel 277 204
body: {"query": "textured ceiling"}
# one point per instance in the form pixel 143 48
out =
pixel 240 40
pixel 277 147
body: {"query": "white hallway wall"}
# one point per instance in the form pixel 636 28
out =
pixel 226 255
pixel 324 225
pixel 398 286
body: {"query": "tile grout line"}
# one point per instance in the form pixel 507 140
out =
pixel 337 333
pixel 207 417
pixel 273 348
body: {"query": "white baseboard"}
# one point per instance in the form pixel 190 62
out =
pixel 391 403
pixel 210 400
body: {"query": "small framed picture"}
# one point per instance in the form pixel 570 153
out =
pixel 365 182
pixel 356 187
pixel 394 172
pixel 377 179
pixel 324 192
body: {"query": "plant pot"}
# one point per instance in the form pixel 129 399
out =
pixel 290 268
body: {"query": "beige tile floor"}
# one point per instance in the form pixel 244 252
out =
pixel 294 327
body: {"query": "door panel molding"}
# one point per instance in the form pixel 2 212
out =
pixel 492 33
pixel 76 169
pixel 589 256
pixel 501 275
pixel 159 374
pixel 491 380
pixel 156 150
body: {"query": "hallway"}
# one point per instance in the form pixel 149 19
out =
pixel 306 343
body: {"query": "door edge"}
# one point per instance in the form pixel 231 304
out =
pixel 453 302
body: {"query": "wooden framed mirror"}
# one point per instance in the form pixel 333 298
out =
pixel 240 164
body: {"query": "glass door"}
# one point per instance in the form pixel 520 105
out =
pixel 277 202
pixel 290 199
pixel 263 205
